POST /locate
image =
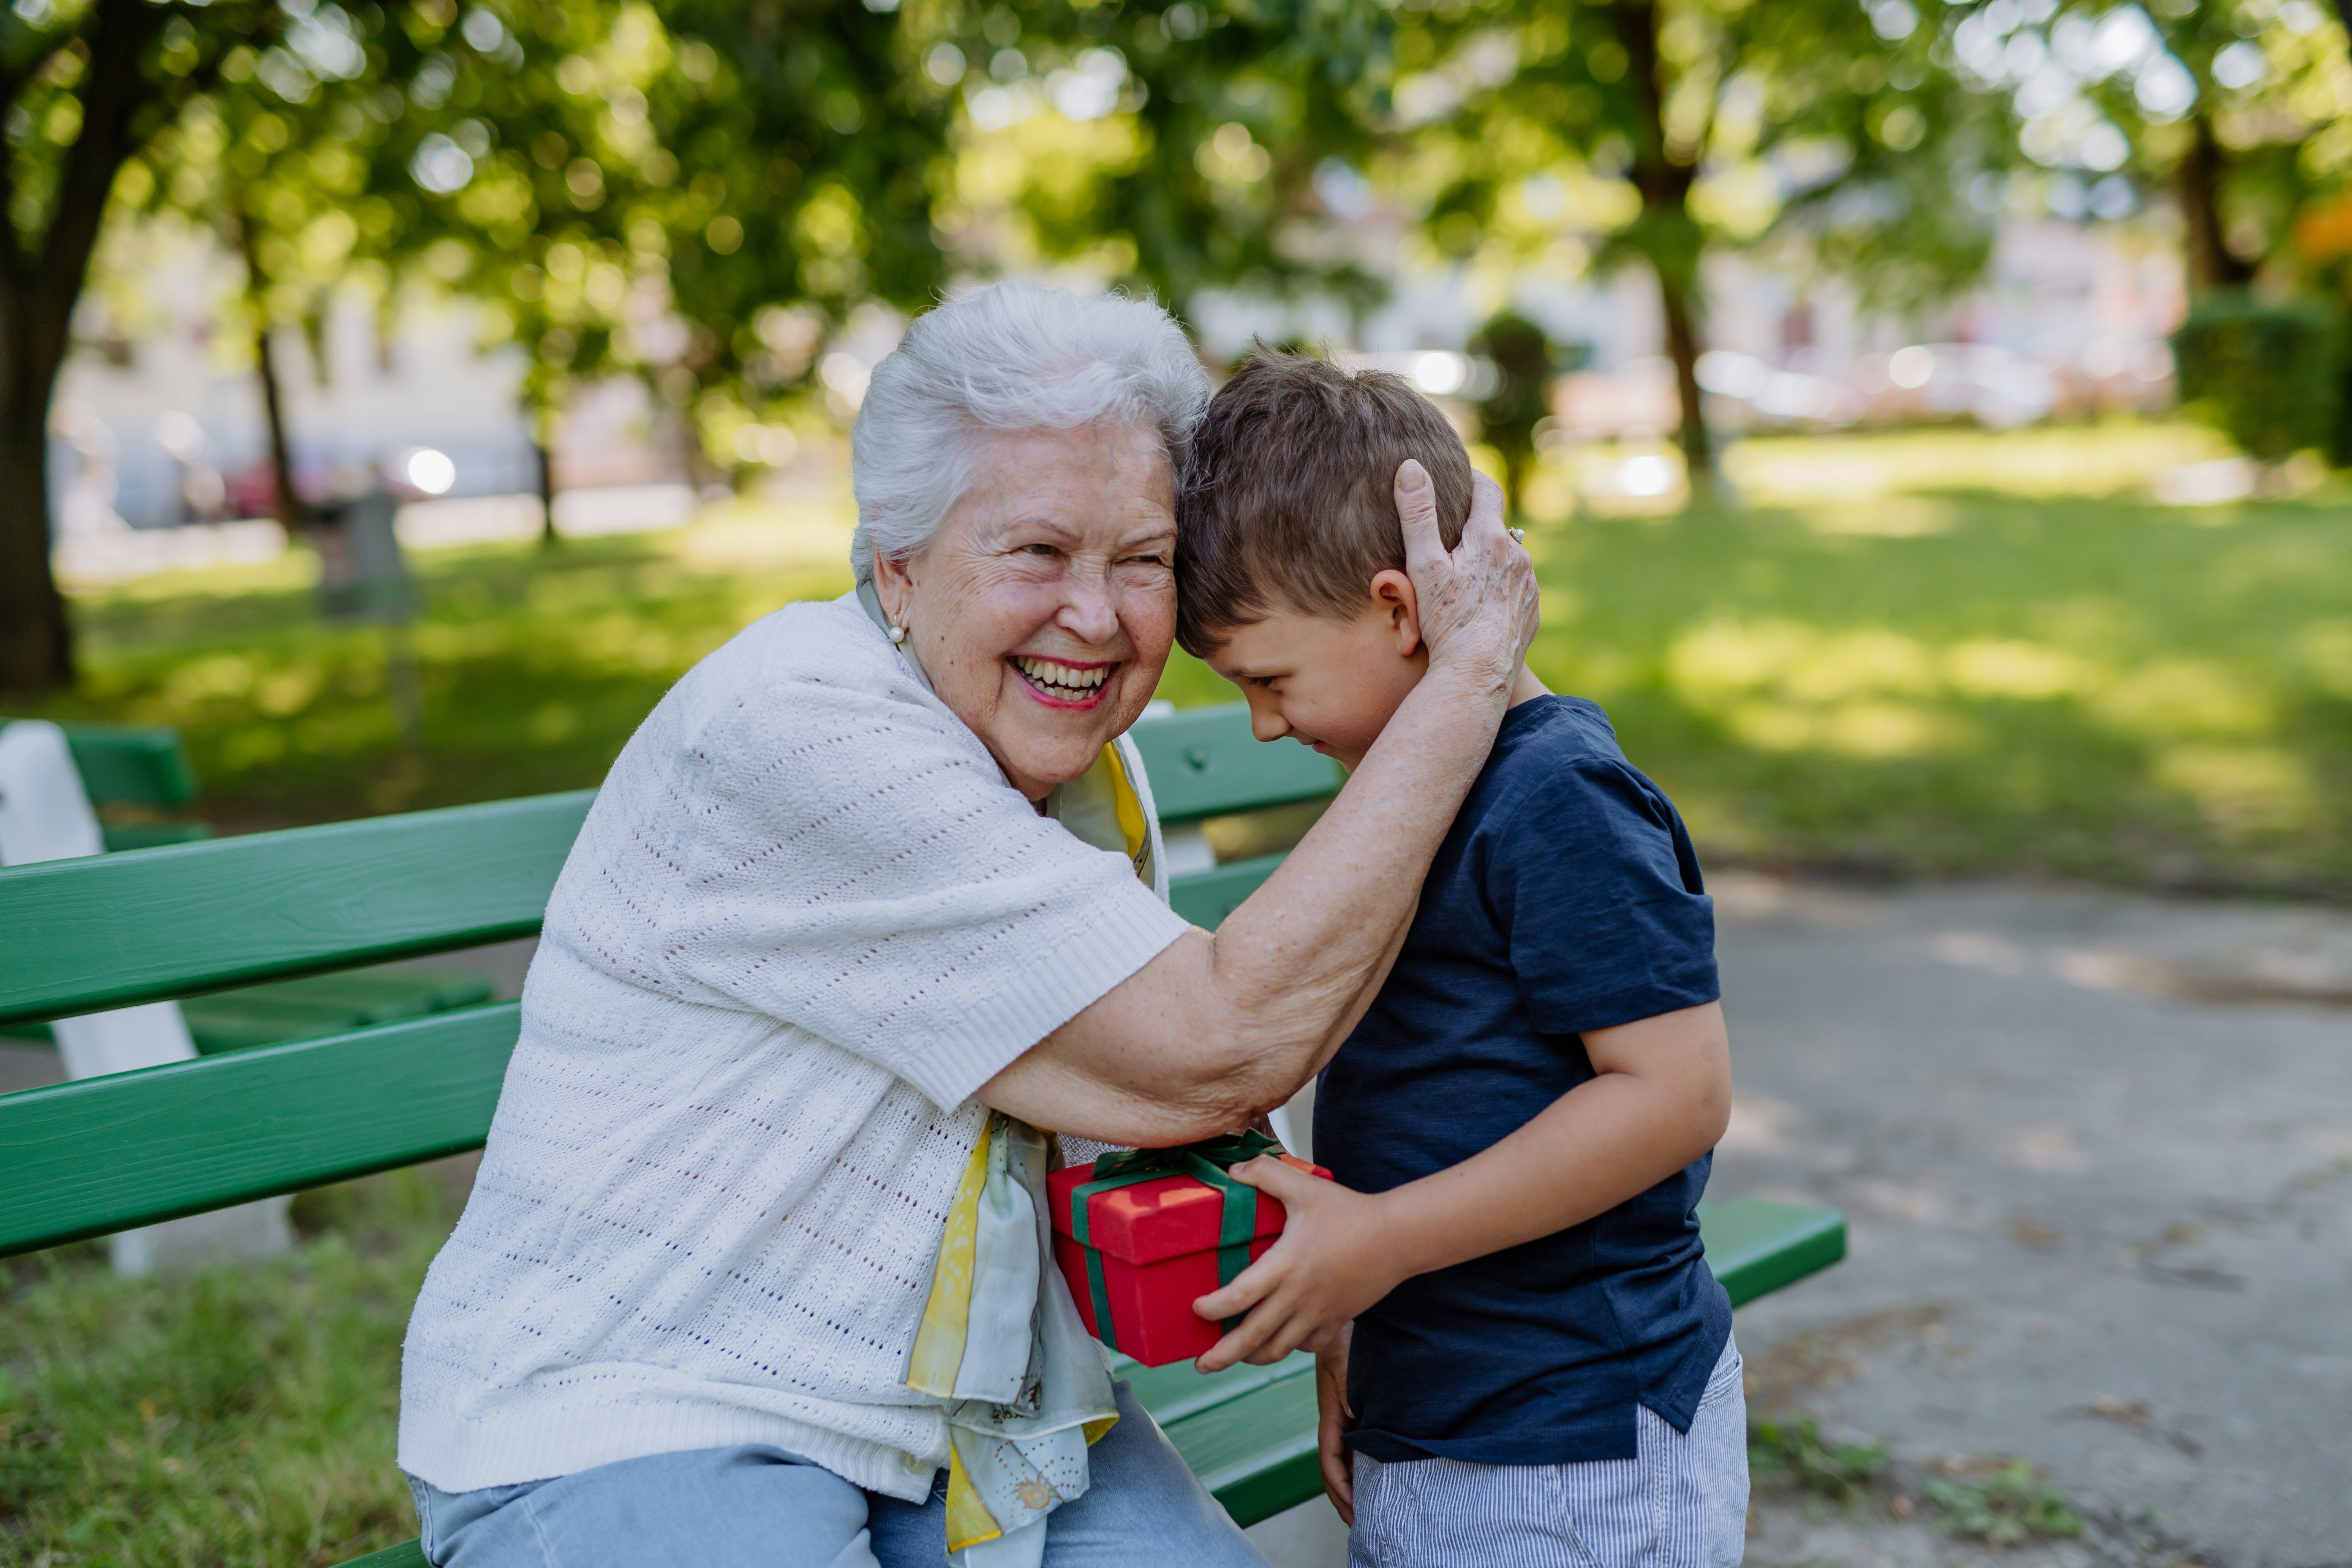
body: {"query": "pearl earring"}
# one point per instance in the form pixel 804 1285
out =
pixel 898 634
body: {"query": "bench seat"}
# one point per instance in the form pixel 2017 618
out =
pixel 90 1157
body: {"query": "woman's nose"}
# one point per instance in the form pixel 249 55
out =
pixel 1090 611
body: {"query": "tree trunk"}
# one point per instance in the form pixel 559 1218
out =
pixel 40 280
pixel 543 461
pixel 36 638
pixel 290 515
pixel 1676 297
pixel 2196 186
pixel 1670 235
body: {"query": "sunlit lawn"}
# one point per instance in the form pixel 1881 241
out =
pixel 2024 675
pixel 1956 677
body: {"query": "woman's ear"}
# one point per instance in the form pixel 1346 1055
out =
pixel 1394 599
pixel 894 585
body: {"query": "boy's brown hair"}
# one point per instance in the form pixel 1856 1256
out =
pixel 1289 495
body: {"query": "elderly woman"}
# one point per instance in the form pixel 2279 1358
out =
pixel 871 895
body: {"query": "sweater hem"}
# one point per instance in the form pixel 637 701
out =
pixel 553 1438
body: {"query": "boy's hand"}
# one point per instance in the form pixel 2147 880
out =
pixel 1328 1265
pixel 1333 1419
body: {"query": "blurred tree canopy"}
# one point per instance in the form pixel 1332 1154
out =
pixel 1654 131
pixel 628 188
pixel 1175 147
pixel 2240 109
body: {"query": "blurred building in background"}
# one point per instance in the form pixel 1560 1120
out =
pixel 168 429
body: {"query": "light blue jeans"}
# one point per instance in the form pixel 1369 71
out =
pixel 759 1507
pixel 1681 1503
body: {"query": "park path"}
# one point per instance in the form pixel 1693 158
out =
pixel 2097 1151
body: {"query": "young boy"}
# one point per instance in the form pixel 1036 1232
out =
pixel 1541 1368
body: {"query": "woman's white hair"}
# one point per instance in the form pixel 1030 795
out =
pixel 1012 356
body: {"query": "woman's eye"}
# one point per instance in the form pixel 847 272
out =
pixel 1039 548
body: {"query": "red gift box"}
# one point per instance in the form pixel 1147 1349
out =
pixel 1144 1251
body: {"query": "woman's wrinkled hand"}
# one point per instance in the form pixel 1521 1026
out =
pixel 1478 602
pixel 1328 1265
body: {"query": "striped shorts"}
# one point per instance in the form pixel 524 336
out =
pixel 1682 1502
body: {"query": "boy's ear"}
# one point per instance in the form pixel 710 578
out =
pixel 1396 601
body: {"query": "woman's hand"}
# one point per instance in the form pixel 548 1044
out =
pixel 1478 602
pixel 1329 1264
pixel 1332 1419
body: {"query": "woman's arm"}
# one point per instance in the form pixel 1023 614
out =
pixel 1221 1026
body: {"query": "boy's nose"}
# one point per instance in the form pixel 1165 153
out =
pixel 1267 722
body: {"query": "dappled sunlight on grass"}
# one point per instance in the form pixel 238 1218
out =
pixel 1912 683
pixel 533 667
pixel 2080 687
pixel 2116 458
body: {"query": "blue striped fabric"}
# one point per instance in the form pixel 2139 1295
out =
pixel 1681 1503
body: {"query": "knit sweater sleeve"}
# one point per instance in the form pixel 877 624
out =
pixel 852 862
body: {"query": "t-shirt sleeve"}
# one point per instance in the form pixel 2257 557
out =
pixel 1598 890
pixel 862 870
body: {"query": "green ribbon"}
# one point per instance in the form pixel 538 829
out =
pixel 1206 1162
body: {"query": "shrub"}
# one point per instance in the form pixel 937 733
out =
pixel 2270 375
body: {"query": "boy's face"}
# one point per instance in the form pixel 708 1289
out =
pixel 1329 683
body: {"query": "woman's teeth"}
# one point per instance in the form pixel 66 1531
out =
pixel 1067 681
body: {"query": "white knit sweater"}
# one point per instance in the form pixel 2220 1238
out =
pixel 806 918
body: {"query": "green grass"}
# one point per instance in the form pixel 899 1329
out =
pixel 2013 1505
pixel 1791 1456
pixel 1891 683
pixel 243 1415
pixel 2093 689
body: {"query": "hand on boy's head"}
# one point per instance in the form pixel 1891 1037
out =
pixel 1478 602
pixel 1327 1266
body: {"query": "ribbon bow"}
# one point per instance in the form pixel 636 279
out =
pixel 1207 1162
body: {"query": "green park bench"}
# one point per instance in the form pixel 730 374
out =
pixel 88 1158
pixel 140 779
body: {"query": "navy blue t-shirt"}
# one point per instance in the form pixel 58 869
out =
pixel 1565 898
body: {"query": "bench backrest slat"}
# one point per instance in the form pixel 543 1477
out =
pixel 77 936
pixel 105 1153
pixel 83 1159
pixel 1203 761
pixel 130 764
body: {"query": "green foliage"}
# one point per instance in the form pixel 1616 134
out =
pixel 1203 170
pixel 1792 1454
pixel 1690 123
pixel 2263 131
pixel 2272 376
pixel 244 1415
pixel 2013 1505
pixel 630 187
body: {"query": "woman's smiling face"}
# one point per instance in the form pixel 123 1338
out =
pixel 1043 608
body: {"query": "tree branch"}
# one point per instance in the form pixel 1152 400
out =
pixel 113 90
pixel 14 81
pixel 12 85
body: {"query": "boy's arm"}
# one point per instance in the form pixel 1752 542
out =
pixel 1660 1097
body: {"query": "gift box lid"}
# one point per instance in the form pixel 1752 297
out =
pixel 1164 1218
